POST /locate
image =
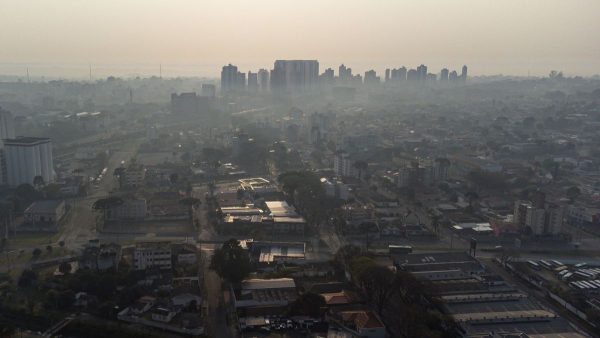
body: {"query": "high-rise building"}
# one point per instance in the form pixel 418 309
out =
pixel 7 131
pixel 295 74
pixel 229 78
pixel 398 74
pixel 387 75
pixel 252 81
pixel 453 77
pixel 444 75
pixel 412 75
pixel 209 90
pixel 7 128
pixel 263 79
pixel 371 77
pixel 327 77
pixel 463 74
pixel 344 73
pixel 26 158
pixel 422 73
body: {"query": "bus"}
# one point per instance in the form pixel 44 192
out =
pixel 545 264
pixel 399 249
pixel 533 265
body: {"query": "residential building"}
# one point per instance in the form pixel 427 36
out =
pixel 252 81
pixel 453 77
pixel 444 75
pixel 7 128
pixel 230 78
pixel 363 323
pixel 263 79
pixel 26 158
pixel 100 258
pixel 422 73
pixel 327 77
pixel 133 176
pixel 336 189
pixel 152 255
pixel 344 73
pixel 343 166
pixel 371 77
pixel 539 219
pixel 295 75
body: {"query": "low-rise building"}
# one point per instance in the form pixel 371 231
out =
pixel 259 297
pixel 152 255
pixel 363 323
pixel 45 213
pixel 132 209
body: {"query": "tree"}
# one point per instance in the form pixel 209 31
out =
pixel 231 261
pixel 64 267
pixel 61 244
pixel 174 178
pixel 49 248
pixel 38 181
pixel 65 299
pixel 471 197
pixel 191 203
pixel 27 278
pixel 119 174
pixel 572 193
pixel 36 252
pixel 361 167
pixel 378 283
pixel 308 304
pixel 487 180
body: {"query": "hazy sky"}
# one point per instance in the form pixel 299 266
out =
pixel 196 37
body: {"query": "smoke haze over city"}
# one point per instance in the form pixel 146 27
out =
pixel 124 38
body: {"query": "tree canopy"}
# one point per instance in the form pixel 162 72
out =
pixel 231 261
pixel 308 304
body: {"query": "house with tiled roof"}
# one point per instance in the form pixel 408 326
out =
pixel 363 323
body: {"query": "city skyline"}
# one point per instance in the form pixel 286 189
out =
pixel 536 36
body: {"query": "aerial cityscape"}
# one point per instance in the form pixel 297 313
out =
pixel 295 197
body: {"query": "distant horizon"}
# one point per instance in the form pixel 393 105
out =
pixel 80 71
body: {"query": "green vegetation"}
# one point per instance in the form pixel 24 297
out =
pixel 308 304
pixel 231 262
pixel 407 306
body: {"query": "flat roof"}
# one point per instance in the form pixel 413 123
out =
pixel 43 206
pixel 273 283
pixel 505 315
pixel 25 141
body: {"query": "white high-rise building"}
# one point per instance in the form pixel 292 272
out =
pixel 7 128
pixel 26 158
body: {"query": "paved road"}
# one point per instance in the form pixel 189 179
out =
pixel 217 325
pixel 81 226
